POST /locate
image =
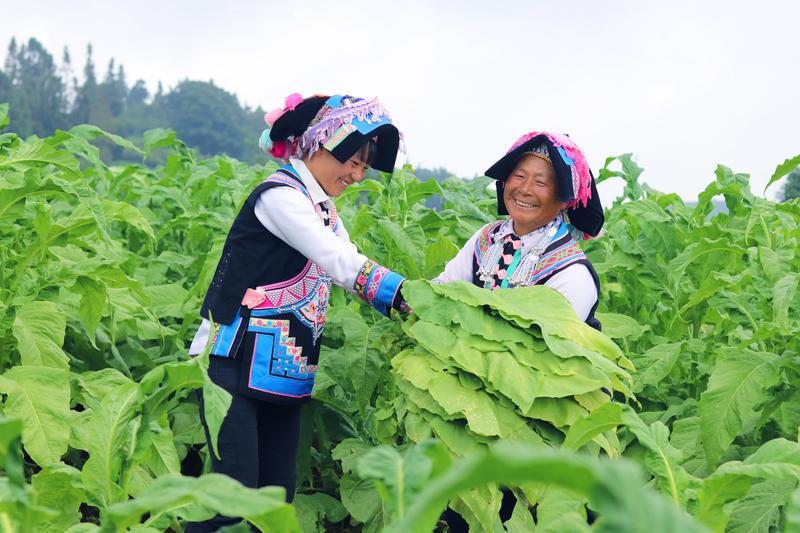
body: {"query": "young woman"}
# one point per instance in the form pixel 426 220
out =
pixel 264 312
pixel 545 186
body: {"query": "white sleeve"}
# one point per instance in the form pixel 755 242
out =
pixel 460 267
pixel 289 215
pixel 576 284
pixel 200 338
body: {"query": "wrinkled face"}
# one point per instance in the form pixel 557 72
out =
pixel 334 177
pixel 531 194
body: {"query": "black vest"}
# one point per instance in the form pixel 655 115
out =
pixel 277 342
pixel 252 256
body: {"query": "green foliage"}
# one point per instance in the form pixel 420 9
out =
pixel 101 276
pixel 102 270
pixel 613 488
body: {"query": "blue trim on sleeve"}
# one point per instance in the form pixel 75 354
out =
pixel 387 291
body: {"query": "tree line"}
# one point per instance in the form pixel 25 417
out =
pixel 45 95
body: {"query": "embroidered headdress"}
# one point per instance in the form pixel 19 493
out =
pixel 341 124
pixel 574 179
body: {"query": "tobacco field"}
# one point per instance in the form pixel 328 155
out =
pixel 682 415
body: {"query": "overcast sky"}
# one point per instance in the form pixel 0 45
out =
pixel 683 85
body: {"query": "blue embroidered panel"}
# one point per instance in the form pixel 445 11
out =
pixel 278 366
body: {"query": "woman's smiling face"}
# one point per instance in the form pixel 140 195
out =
pixel 531 195
pixel 334 177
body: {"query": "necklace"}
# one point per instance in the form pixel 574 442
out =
pixel 527 264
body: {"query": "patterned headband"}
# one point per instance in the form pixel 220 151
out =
pixel 540 152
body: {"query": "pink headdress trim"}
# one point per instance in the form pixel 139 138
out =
pixel 289 104
pixel 281 149
pixel 581 177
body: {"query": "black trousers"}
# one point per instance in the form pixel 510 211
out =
pixel 257 441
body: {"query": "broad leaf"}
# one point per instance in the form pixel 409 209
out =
pixel 39 330
pixel 39 396
pixel 739 384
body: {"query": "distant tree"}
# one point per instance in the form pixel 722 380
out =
pixel 791 189
pixel 87 93
pixel 437 173
pixel 43 97
pixel 67 76
pixel 138 94
pixel 10 66
pixel 114 90
pixel 5 88
pixel 208 118
pixel 34 89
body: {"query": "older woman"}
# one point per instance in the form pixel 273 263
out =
pixel 545 186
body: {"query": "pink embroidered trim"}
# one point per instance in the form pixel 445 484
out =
pixel 375 282
pixel 484 240
pixel 291 291
pixel 560 257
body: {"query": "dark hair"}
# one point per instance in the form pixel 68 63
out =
pixel 368 151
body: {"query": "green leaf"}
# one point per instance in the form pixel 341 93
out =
pixel 399 478
pixel 96 386
pixel 89 132
pixel 521 520
pixel 793 513
pixel 3 116
pixel 39 330
pixel 167 379
pixel 783 295
pixel 560 510
pixel 613 488
pixel 111 445
pixel 314 509
pixel 172 495
pixel 760 510
pixel 662 459
pixel 39 396
pixel 158 138
pixel 168 299
pixel 93 303
pixel 362 363
pixel 739 383
pixel 360 498
pixel 619 326
pixel 125 212
pixel 11 459
pixel 480 508
pixel 437 254
pixel 35 152
pixel 163 454
pixel 775 460
pixel 655 364
pixel 59 487
pixel 784 168
pixel 216 402
pixel 602 419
